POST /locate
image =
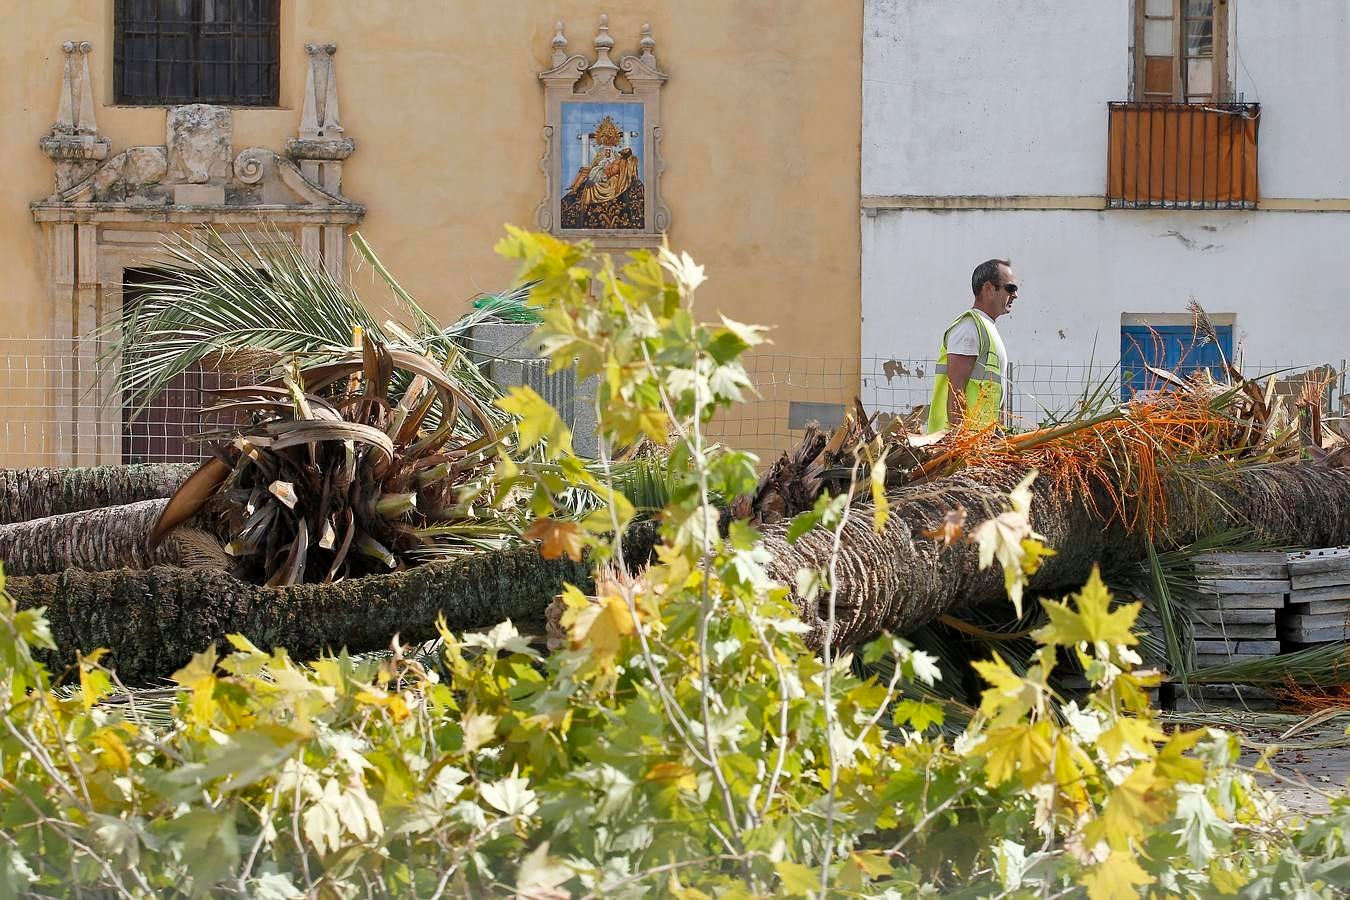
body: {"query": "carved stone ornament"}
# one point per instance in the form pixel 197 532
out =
pixel 113 212
pixel 196 176
pixel 602 160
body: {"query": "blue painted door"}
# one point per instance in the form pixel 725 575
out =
pixel 1172 348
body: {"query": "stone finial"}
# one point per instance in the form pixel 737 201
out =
pixel 559 45
pixel 319 117
pixel 73 142
pixel 603 70
pixel 648 45
pixel 75 111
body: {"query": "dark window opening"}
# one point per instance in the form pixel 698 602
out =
pixel 197 51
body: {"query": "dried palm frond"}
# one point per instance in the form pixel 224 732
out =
pixel 341 473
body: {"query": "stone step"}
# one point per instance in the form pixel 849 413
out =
pixel 1242 565
pixel 1316 635
pixel 1230 631
pixel 1336 578
pixel 1239 647
pixel 1311 562
pixel 1273 600
pixel 1216 617
pixel 1327 592
pixel 1319 607
pixel 1225 586
pixel 1314 620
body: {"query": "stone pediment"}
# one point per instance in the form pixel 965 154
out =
pixel 196 175
pixel 140 177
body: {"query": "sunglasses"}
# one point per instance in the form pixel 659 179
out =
pixel 1010 288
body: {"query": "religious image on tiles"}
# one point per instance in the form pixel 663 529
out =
pixel 602 157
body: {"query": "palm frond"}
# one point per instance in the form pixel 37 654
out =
pixel 1326 666
pixel 247 306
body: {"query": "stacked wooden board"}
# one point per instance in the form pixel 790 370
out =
pixel 1242 597
pixel 1318 606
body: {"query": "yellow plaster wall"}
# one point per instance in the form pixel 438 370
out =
pixel 762 126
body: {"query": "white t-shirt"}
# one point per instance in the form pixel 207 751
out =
pixel 964 338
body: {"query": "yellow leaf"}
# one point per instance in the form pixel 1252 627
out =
pixel 573 598
pixel 1130 732
pixel 678 774
pixel 1116 878
pixel 600 626
pixel 1174 764
pixel 1072 766
pixel 558 538
pixel 199 677
pixel 1093 619
pixel 1022 749
pixel 1034 553
pixel 1226 881
pixel 872 862
pixel 1139 801
pixel 881 507
pixel 241 643
pixel 94 683
pixel 655 424
pixel 115 754
pixel 797 880
pixel 1010 696
pixel 538 420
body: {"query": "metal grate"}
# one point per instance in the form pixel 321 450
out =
pixel 197 51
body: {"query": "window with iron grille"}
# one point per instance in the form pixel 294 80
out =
pixel 197 51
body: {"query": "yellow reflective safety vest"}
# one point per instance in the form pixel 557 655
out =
pixel 984 391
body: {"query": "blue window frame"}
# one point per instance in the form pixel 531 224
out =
pixel 1172 348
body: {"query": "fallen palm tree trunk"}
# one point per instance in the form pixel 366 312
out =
pixel 901 579
pixel 92 539
pixel 153 621
pixel 27 494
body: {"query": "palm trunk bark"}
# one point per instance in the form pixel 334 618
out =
pixel 154 621
pixel 900 579
pixel 93 539
pixel 27 494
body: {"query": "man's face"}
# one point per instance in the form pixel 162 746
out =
pixel 1000 299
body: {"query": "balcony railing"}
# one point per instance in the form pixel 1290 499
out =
pixel 1182 156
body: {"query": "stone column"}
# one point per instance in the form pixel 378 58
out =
pixel 87 399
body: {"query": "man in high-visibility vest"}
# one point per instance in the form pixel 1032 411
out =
pixel 973 363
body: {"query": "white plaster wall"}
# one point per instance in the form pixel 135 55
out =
pixel 1277 271
pixel 1293 56
pixel 990 97
pixel 1007 97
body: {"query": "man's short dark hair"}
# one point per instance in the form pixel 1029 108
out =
pixel 987 271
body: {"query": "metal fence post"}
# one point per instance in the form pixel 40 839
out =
pixel 1008 396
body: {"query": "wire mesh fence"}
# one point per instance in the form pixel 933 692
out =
pixel 59 407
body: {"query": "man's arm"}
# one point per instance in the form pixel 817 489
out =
pixel 959 367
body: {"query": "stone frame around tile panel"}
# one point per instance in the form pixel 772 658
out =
pixel 562 85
